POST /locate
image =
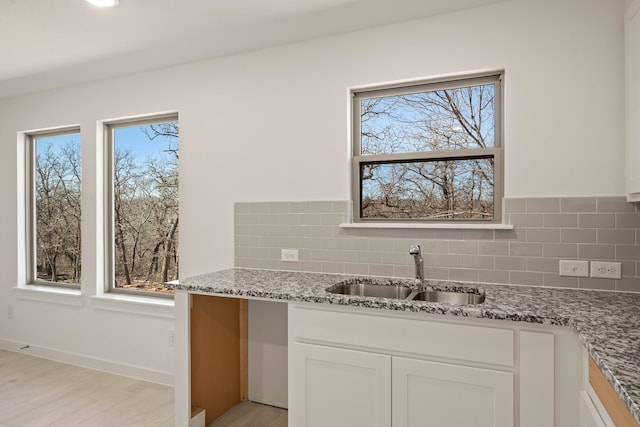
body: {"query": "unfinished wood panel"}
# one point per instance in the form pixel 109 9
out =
pixel 216 346
pixel 616 408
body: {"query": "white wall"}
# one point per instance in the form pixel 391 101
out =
pixel 273 125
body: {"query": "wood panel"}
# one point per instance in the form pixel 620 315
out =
pixel 616 408
pixel 218 340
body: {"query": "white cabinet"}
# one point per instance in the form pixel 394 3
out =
pixel 363 368
pixel 430 394
pixel 339 388
pixel 589 416
pixel 440 371
pixel 632 105
pixel 345 388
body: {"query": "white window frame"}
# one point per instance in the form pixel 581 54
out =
pixel 109 229
pixel 496 152
pixel 30 206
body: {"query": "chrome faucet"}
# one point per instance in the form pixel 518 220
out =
pixel 417 257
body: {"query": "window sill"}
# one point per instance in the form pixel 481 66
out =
pixel 141 305
pixel 416 226
pixel 49 294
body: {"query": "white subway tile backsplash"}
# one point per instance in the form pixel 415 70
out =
pixel 545 265
pixel 544 204
pixel 359 269
pixel 596 252
pixel 578 204
pixel 526 277
pixel 597 220
pixel 570 235
pixel 543 235
pixel 493 276
pixel 615 204
pixel 464 275
pixel 380 270
pixel 465 247
pixel 477 234
pixel 554 280
pixel 433 246
pixel 545 231
pixel 493 248
pixel 627 252
pixel 628 220
pixel 525 249
pixel 478 261
pixel 526 219
pixel 444 260
pixel 559 220
pixel 560 250
pixel 515 205
pixel 510 263
pixel 624 236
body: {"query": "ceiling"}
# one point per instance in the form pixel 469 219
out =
pixel 53 43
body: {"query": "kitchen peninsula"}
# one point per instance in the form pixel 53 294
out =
pixel 606 324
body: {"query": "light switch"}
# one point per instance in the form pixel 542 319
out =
pixel 574 268
pixel 289 255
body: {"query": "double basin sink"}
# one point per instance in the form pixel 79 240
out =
pixel 365 288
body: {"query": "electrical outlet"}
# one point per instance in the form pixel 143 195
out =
pixel 606 270
pixel 10 312
pixel 172 338
pixel 574 268
pixel 289 255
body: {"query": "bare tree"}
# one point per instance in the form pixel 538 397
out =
pixel 437 121
pixel 57 212
pixel 146 212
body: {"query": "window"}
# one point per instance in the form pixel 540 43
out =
pixel 53 208
pixel 143 205
pixel 428 151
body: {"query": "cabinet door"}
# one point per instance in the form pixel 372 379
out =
pixel 632 92
pixel 338 388
pixel 429 394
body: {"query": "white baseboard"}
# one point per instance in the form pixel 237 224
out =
pixel 159 377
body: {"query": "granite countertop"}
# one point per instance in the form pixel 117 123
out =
pixel 607 323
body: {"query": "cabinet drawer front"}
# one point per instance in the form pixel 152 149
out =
pixel 402 335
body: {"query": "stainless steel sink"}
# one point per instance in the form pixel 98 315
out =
pixel 448 297
pixel 371 290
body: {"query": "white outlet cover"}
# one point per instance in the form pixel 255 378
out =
pixel 606 270
pixel 574 268
pixel 289 255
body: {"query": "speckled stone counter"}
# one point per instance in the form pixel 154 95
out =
pixel 608 323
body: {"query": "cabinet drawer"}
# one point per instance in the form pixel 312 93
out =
pixel 403 335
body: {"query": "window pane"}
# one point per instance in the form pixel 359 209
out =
pixel 145 205
pixel 57 208
pixel 439 189
pixel 448 119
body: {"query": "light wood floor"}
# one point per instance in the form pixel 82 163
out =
pixel 38 392
pixel 249 414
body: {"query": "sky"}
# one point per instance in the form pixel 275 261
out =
pixel 130 138
pixel 138 144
